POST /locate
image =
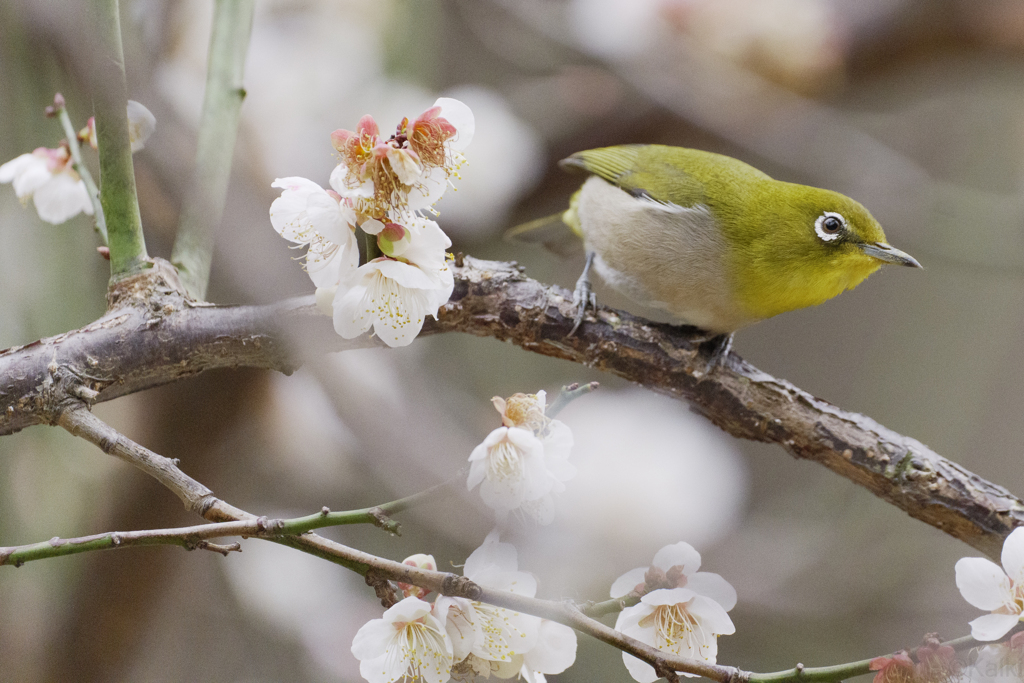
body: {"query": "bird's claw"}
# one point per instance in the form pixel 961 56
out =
pixel 583 296
pixel 718 348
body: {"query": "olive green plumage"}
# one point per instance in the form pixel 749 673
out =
pixel 716 242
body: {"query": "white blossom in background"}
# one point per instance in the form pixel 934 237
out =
pixel 408 642
pixel 308 215
pixel 497 641
pixel 1000 590
pixel 522 463
pixel 47 178
pixel 683 611
pixel 141 124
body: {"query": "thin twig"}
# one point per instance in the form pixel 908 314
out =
pixel 567 395
pixel 77 163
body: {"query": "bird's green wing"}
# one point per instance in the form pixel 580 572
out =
pixel 664 174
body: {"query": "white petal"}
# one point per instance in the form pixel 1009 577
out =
pixel 28 172
pixel 352 316
pixel 383 669
pixel 508 669
pixel 141 124
pixel 713 586
pixel 403 273
pixel 504 633
pixel 429 188
pixel 330 219
pixel 62 198
pixel 629 619
pixel 668 596
pixel 641 671
pixel 555 650
pixel 993 626
pixel 372 639
pixel 492 554
pixel 541 510
pixel 1013 555
pixel 478 468
pixel 407 609
pixel 628 581
pixel 678 554
pixel 711 615
pixel 405 165
pixel 325 300
pixel 461 116
pixel 400 323
pixel 982 583
pixel 458 615
pixel 371 226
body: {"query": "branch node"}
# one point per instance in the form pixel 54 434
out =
pixel 382 521
pixel 56 542
pixel 383 588
pixel 460 587
pixel 325 511
pixel 224 550
pixel 664 671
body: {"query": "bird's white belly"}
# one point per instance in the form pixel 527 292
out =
pixel 660 255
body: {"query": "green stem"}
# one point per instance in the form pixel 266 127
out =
pixel 279 530
pixel 218 129
pixel 840 672
pixel 80 168
pixel 567 395
pixel 600 609
pixel 117 193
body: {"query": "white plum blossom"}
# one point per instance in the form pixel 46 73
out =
pixel 308 215
pixel 522 463
pixel 408 642
pixel 395 295
pixel 496 640
pixel 683 612
pixel 1000 590
pixel 47 178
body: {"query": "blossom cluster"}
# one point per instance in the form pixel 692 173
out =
pixel 383 186
pixel 460 638
pixel 681 610
pixel 522 463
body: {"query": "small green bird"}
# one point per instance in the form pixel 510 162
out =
pixel 713 241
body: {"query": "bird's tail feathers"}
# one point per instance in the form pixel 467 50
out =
pixel 558 232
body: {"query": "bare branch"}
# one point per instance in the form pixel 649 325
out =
pixel 137 347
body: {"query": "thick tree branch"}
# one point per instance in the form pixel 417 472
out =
pixel 155 337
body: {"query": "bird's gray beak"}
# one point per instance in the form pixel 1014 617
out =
pixel 889 254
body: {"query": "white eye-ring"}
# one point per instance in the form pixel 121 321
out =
pixel 830 226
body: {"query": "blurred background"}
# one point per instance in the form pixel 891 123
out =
pixel 913 107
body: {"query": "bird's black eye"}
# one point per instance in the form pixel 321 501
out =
pixel 830 226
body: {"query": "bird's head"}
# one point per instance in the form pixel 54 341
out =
pixel 811 244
